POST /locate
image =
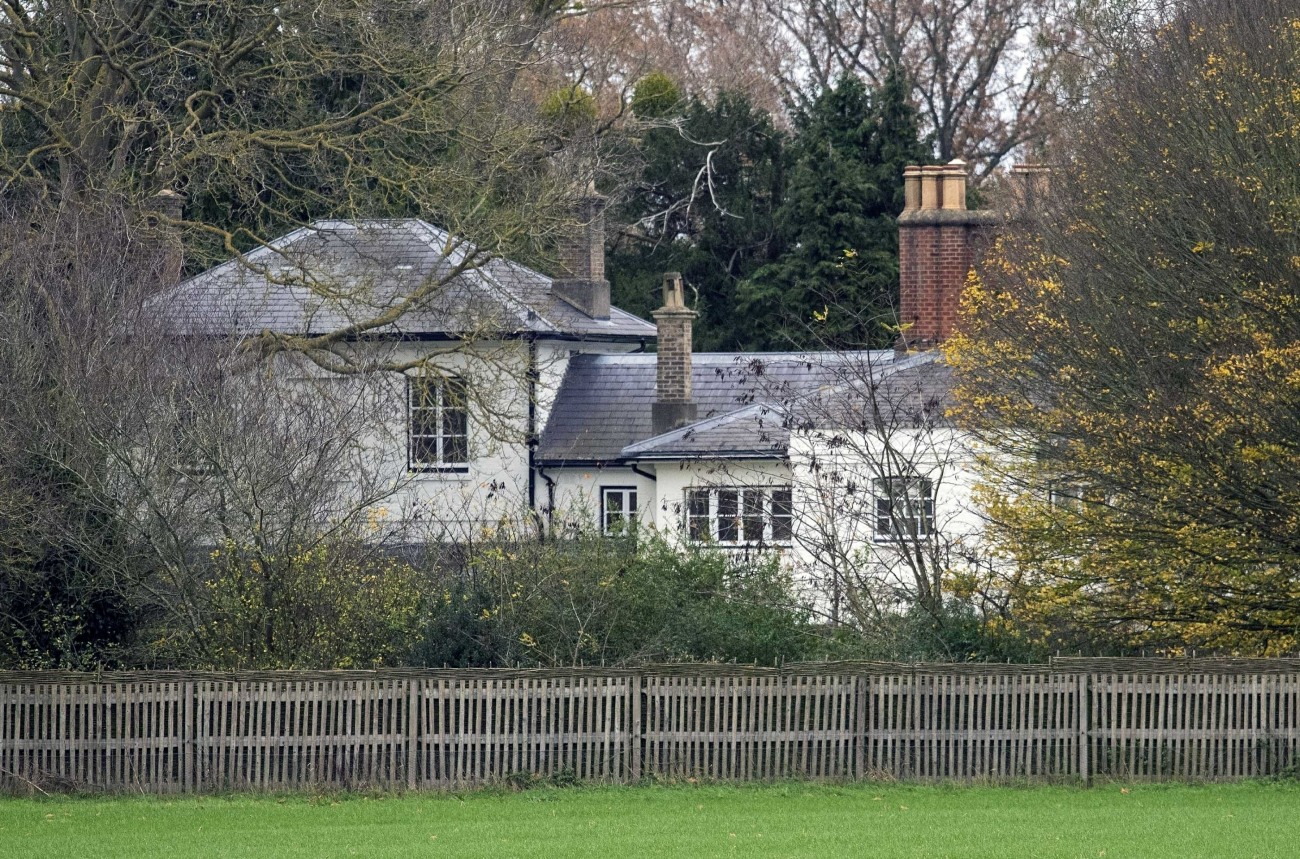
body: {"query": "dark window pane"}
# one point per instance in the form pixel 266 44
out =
pixel 751 524
pixel 454 393
pixel 455 450
pixel 782 529
pixel 455 422
pixel 424 450
pixel 631 502
pixel 424 394
pixel 926 524
pixel 697 515
pixel 728 516
pixel 614 502
pixel 697 501
pixel 698 529
pixel 884 517
pixel 424 422
pixel 782 516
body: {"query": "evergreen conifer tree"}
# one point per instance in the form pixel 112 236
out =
pixel 710 188
pixel 835 284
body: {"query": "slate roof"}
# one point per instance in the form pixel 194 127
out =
pixel 333 274
pixel 918 389
pixel 746 402
pixel 759 431
pixel 911 391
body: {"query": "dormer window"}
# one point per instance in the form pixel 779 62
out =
pixel 438 424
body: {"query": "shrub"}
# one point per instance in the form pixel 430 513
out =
pixel 596 600
pixel 340 606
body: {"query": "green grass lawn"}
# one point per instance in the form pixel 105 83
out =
pixel 1144 822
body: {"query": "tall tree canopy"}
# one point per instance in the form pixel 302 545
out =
pixel 788 241
pixel 836 282
pixel 266 114
pixel 1134 344
pixel 705 206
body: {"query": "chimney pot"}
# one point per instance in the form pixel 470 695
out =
pixel 954 185
pixel 674 294
pixel 931 178
pixel 911 188
pixel 168 203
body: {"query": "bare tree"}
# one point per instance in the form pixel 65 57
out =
pixel 706 46
pixel 153 477
pixel 260 116
pixel 982 71
pixel 70 281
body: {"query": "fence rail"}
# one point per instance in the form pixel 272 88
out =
pixel 1071 720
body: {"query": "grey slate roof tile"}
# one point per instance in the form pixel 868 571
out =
pixel 333 274
pixel 604 403
pixel 760 431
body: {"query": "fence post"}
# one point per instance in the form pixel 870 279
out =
pixel 1084 685
pixel 860 683
pixel 188 727
pixel 635 738
pixel 412 720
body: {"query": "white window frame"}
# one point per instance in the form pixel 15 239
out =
pixel 627 514
pixel 731 512
pixel 443 414
pixel 915 521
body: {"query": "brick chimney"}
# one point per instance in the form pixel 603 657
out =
pixel 581 278
pixel 672 406
pixel 164 212
pixel 936 249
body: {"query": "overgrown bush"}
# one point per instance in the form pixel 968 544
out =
pixel 324 607
pixel 596 600
pixel 960 632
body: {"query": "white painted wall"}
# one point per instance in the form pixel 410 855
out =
pixel 834 474
pixel 835 545
pixel 577 495
pixel 495 487
pixel 831 473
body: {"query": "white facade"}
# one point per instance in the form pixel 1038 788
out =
pixel 519 409
pixel 836 539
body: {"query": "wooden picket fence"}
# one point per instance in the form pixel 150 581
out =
pixel 1072 720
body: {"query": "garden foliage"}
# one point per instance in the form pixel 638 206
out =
pixel 1133 346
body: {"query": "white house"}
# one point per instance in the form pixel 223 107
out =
pixel 510 392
